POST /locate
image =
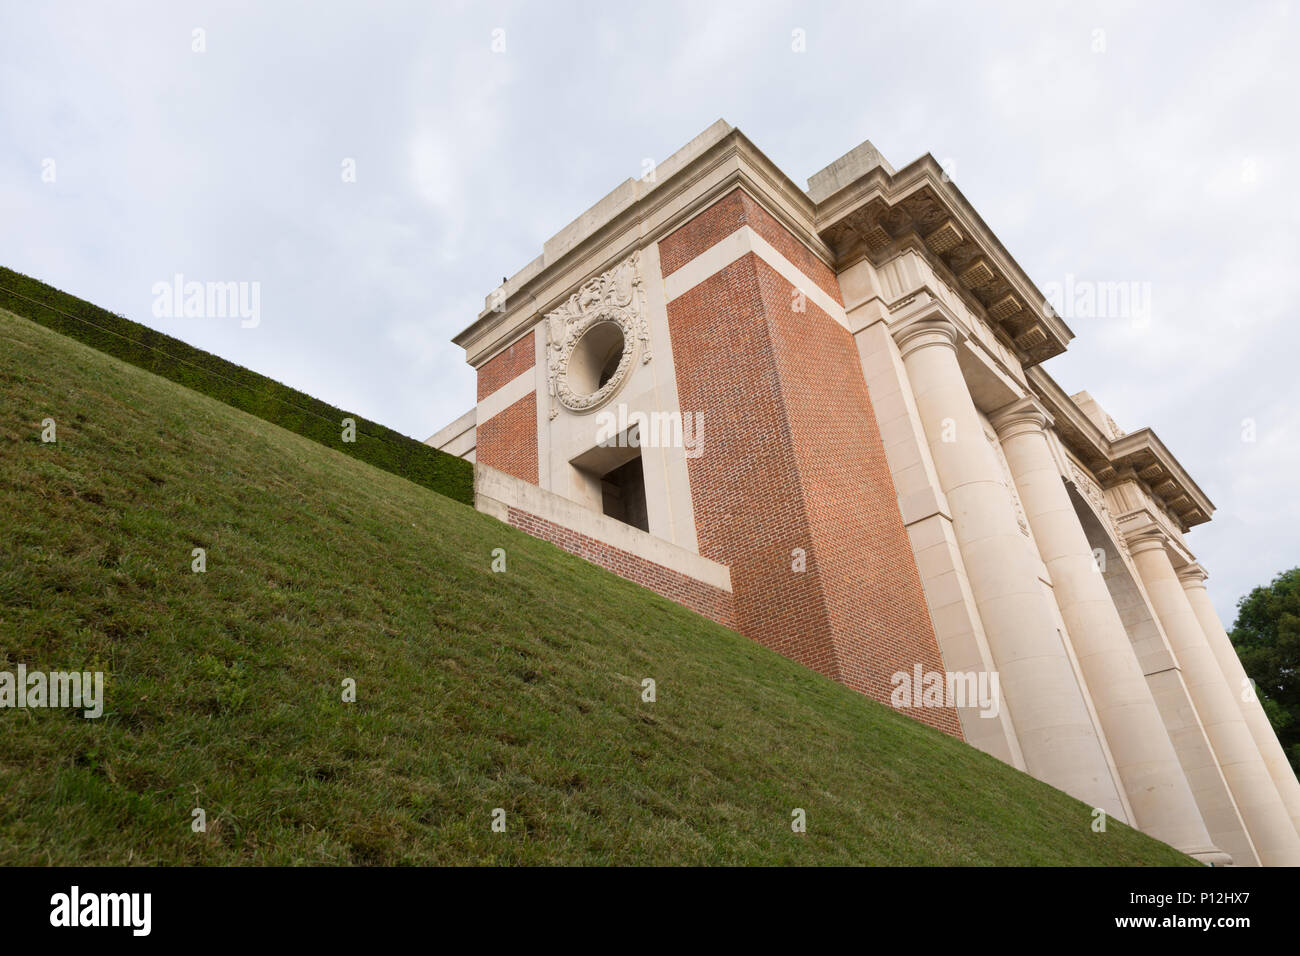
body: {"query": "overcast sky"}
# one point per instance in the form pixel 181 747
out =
pixel 1112 143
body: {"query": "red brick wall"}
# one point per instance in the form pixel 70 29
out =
pixel 702 598
pixel 508 440
pixel 874 596
pixel 732 211
pixel 745 515
pixel 793 459
pixel 506 365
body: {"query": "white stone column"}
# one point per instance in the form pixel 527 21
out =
pixel 1257 800
pixel 1057 736
pixel 1144 755
pixel 1279 768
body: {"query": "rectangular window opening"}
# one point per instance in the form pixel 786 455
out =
pixel 623 494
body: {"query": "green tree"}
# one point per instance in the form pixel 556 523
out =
pixel 1267 639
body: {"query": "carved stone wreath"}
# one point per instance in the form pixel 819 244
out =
pixel 616 297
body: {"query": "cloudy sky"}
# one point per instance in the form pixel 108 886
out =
pixel 1125 142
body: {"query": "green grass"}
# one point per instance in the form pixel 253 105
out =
pixel 235 385
pixel 476 689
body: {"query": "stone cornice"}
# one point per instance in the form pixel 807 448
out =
pixel 1077 431
pixel 915 207
pixel 634 216
pixel 910 275
pixel 1143 454
pixel 873 215
pixel 1146 523
pixel 1139 455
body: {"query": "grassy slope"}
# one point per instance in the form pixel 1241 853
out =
pixel 242 388
pixel 476 690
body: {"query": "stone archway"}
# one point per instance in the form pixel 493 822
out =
pixel 1139 621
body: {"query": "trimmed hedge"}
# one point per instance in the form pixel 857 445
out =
pixel 235 385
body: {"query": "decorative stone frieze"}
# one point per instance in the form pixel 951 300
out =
pixel 1084 484
pixel 616 296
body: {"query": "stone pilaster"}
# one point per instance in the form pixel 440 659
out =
pixel 1057 737
pixel 1144 755
pixel 1268 828
pixel 1192 578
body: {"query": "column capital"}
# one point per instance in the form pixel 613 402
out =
pixel 1024 415
pixel 1192 576
pixel 1147 540
pixel 935 329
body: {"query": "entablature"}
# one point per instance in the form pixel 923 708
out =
pixel 1145 524
pixel 881 212
pixel 909 280
pixel 1139 457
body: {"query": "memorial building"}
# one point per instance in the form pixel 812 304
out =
pixel 820 416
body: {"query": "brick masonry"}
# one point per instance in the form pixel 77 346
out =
pixel 702 598
pixel 506 365
pixel 508 440
pixel 793 460
pixel 724 217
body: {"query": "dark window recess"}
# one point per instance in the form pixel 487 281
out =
pixel 611 365
pixel 623 493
